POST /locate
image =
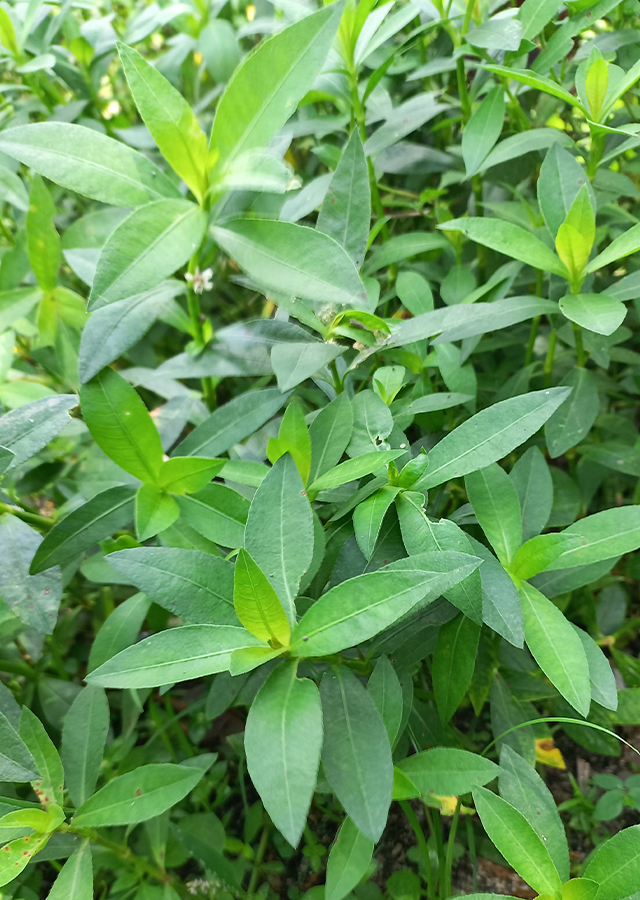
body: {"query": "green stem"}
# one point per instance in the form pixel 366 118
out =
pixel 359 114
pixel 471 842
pixel 422 845
pixel 33 518
pixel 548 363
pixel 595 154
pixel 533 334
pixel 262 848
pixel 446 892
pixel 580 351
pixel 442 862
pixel 337 381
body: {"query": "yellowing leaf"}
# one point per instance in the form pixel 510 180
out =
pixel 257 604
pixel 573 249
pixel 595 85
pixel 548 754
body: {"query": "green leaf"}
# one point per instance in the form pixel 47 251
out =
pixel 283 739
pixel 402 247
pixel 111 330
pixel 368 517
pixel 292 259
pixel 501 609
pixel 448 771
pixel 151 243
pixel 266 89
pixel 33 598
pixel 75 879
pixel 246 659
pixel 490 435
pixel 16 762
pixel 155 511
pixel 535 14
pixel 188 474
pixel 218 513
pixel 579 889
pixel 511 240
pixel 256 603
pixel 18 854
pixel 556 647
pixel 562 178
pixel 539 82
pixel 84 734
pixel 49 786
pixel 293 437
pixel 357 609
pixel 573 248
pixel 120 630
pixel 483 130
pixel 517 145
pixel 26 430
pixel 138 796
pixel 178 654
pixel 414 293
pixel 231 423
pixel 83 160
pixel 524 789
pixel 516 840
pixel 624 245
pixel 596 84
pixel 345 214
pixel 603 683
pixel 532 481
pixel 615 865
pixel 497 507
pixel 604 535
pixel 349 859
pixel 330 433
pixel 386 692
pixel 572 420
pixel 121 425
pixel 462 321
pixel 84 527
pixel 453 664
pixel 171 121
pixel 196 586
pixel 356 754
pixel 537 553
pixel 597 312
pixel 43 240
pixel 352 469
pixel 8 33
pixel 284 549
pixel 295 362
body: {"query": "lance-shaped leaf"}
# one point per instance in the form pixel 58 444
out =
pixel 83 160
pixel 196 586
pixel 42 238
pixel 625 244
pixel 256 603
pixel 171 121
pixel 509 239
pixel 532 480
pixel 151 243
pixel 540 82
pixel 454 660
pixel 121 425
pixel 120 630
pixel 49 787
pixel 368 517
pixel 26 430
pixel 615 865
pixel 355 468
pixel 283 739
pixel 155 511
pixel 330 433
pixel 188 474
pixel 293 437
pixel 356 754
pixel 524 789
pixel 266 89
pixel 448 771
pixel 218 513
pixel 518 842
pixel 138 796
pixel 346 210
pixel 497 507
pixel 386 692
pixel 483 130
pixel 359 608
pixel 18 854
pixel 348 862
pixel 84 734
pixel 489 435
pixel 279 533
pixel 603 683
pixel 178 654
pixel 16 762
pixel 231 423
pixel 556 647
pixel 34 598
pixel 75 880
pixel 294 260
pixel 536 554
pixel 597 312
pixel 604 535
pixel 84 527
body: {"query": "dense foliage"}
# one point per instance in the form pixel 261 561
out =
pixel 319 375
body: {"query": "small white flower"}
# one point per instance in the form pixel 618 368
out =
pixel 200 281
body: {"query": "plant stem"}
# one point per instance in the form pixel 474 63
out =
pixel 548 362
pixel 262 847
pixel 33 518
pixel 533 334
pixel 358 110
pixel 437 828
pixel 446 890
pixel 337 381
pixel 471 841
pixel 580 351
pixel 422 844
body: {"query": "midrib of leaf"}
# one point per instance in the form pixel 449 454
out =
pixel 550 643
pixel 613 874
pixel 122 421
pixel 187 580
pixel 285 766
pixel 148 794
pixel 522 848
pixel 150 247
pixel 213 509
pixel 36 425
pixel 150 667
pixel 616 536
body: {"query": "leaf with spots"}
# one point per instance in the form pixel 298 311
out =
pixel 14 857
pixel 49 787
pixel 33 598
